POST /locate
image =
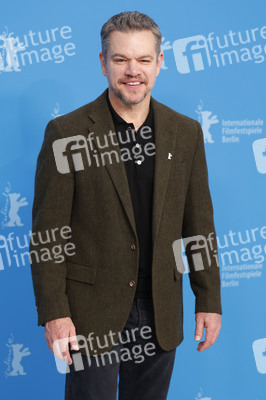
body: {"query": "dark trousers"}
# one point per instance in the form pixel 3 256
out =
pixel 144 369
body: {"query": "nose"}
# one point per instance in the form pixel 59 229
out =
pixel 132 68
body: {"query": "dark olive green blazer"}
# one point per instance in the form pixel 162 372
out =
pixel 94 286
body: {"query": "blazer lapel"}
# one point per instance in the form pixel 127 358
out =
pixel 165 140
pixel 102 124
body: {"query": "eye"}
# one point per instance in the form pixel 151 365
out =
pixel 145 61
pixel 119 60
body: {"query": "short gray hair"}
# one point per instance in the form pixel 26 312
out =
pixel 130 21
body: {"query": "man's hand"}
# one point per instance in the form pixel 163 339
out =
pixel 58 333
pixel 212 323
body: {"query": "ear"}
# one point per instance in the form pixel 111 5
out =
pixel 102 64
pixel 159 63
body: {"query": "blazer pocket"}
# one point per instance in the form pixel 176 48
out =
pixel 81 273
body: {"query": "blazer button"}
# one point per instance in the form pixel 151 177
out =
pixel 132 283
pixel 133 246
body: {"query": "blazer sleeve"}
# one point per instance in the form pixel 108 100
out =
pixel 53 195
pixel 198 220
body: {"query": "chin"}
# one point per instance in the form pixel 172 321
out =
pixel 126 98
pixel 134 99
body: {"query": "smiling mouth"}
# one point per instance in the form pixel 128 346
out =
pixel 133 84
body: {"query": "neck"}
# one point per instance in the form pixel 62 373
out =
pixel 131 113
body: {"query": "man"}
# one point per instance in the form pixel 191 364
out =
pixel 127 176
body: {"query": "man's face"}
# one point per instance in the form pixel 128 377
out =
pixel 132 65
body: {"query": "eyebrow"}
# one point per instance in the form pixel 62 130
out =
pixel 123 56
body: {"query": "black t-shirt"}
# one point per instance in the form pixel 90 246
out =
pixel 139 158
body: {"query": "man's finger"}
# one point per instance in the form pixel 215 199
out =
pixel 204 345
pixel 199 329
pixel 209 339
pixel 63 343
pixel 216 334
pixel 74 342
pixel 56 350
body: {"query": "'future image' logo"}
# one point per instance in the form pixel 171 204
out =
pixel 191 54
pixel 17 52
pixel 78 149
pixel 197 53
pixel 194 253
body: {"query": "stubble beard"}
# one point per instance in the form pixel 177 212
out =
pixel 120 96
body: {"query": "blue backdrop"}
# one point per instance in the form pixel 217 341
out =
pixel 213 71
